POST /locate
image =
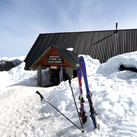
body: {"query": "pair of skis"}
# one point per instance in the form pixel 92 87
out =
pixel 81 71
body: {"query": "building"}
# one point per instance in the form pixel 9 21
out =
pixel 98 44
pixel 57 60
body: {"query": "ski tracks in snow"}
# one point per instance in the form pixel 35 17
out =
pixel 19 113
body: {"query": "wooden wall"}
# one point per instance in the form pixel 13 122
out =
pixel 43 61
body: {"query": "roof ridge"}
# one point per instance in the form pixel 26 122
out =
pixel 86 31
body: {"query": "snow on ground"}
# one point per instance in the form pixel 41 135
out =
pixel 114 97
pixel 16 75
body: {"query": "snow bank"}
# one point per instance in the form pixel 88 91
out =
pixel 91 64
pixel 17 75
pixel 113 94
pixel 113 64
pixel 114 100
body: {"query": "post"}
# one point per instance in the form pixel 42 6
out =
pixel 39 76
pixel 61 73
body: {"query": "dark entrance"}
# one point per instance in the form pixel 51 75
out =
pixel 54 76
pixel 74 73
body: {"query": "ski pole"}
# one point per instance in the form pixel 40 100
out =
pixel 75 102
pixel 42 98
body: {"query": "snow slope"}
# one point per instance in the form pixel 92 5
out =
pixel 114 97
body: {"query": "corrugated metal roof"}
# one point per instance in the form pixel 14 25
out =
pixel 98 44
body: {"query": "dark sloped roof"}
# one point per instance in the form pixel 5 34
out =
pixel 70 56
pixel 98 44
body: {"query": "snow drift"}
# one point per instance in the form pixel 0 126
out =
pixel 113 64
pixel 114 98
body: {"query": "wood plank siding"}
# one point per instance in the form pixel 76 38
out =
pixel 44 59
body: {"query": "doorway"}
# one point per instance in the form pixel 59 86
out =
pixel 54 76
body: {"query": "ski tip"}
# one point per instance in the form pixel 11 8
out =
pixel 80 58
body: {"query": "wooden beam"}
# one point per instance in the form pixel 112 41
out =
pixel 39 76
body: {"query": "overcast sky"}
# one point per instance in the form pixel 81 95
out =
pixel 21 21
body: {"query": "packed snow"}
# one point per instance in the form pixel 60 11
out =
pixel 113 92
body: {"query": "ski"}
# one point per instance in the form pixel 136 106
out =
pixel 81 98
pixel 89 94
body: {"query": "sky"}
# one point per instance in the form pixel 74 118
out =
pixel 21 21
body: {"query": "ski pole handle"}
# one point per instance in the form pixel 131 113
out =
pixel 41 97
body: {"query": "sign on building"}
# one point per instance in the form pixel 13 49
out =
pixel 54 59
